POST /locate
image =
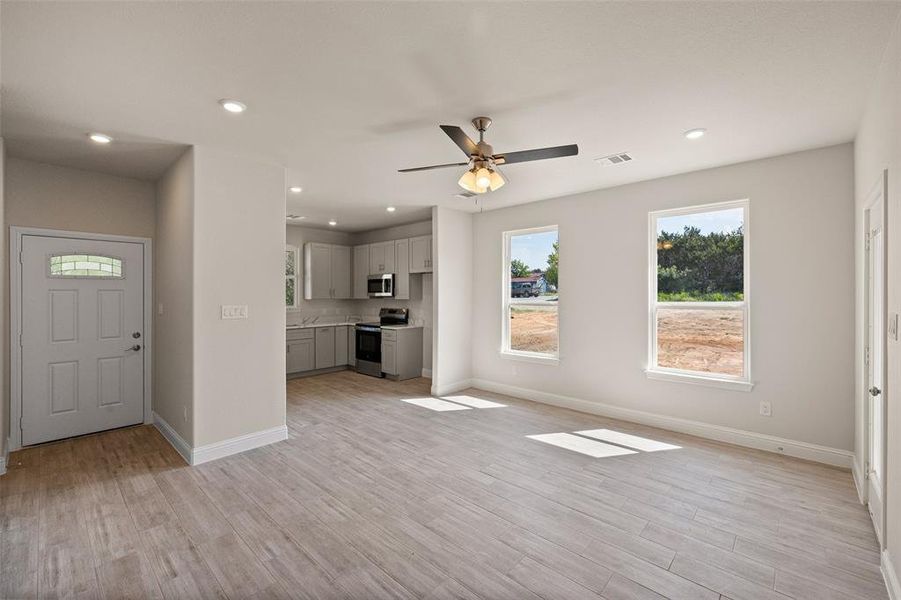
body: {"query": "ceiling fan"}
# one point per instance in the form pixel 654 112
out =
pixel 483 174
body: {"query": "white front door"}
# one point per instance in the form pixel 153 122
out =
pixel 82 326
pixel 875 364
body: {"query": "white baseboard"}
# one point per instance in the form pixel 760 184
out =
pixel 823 454
pixel 859 481
pixel 177 442
pixel 450 388
pixel 891 576
pixel 242 443
pixel 202 454
pixel 427 373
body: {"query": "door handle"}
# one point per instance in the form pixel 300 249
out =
pixel 875 391
pixel 136 347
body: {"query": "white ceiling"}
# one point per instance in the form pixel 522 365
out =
pixel 344 94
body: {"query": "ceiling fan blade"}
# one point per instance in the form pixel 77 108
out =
pixel 510 158
pixel 461 139
pixel 462 164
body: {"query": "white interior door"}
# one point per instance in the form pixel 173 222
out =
pixel 82 316
pixel 876 365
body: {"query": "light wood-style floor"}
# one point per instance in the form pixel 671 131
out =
pixel 372 497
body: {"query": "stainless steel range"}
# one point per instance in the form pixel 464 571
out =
pixel 369 340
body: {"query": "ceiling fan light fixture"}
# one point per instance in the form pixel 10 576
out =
pixel 468 181
pixel 497 181
pixel 483 178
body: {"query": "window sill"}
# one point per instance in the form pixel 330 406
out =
pixel 724 384
pixel 529 357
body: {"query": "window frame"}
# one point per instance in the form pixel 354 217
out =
pixel 505 350
pixel 721 380
pixel 295 277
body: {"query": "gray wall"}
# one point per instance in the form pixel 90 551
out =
pixel 878 147
pixel 801 278
pixel 173 282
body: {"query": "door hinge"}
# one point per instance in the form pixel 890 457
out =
pixel 21 345
pixel 866 356
pixel 866 244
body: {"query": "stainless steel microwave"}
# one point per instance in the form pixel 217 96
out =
pixel 381 286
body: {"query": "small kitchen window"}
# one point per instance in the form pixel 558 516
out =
pixel 531 296
pixel 85 266
pixel 291 269
pixel 700 295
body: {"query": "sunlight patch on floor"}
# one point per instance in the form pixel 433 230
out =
pixel 435 404
pixel 626 439
pixel 473 402
pixel 580 444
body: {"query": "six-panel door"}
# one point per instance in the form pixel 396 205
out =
pixel 82 336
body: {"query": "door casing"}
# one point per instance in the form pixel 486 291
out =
pixel 15 313
pixel 877 198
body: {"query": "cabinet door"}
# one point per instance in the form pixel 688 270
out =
pixel 376 259
pixel 341 272
pixel 340 346
pixel 389 357
pixel 325 347
pixel 351 346
pixel 299 356
pixel 402 270
pixel 390 258
pixel 317 272
pixel 421 254
pixel 361 272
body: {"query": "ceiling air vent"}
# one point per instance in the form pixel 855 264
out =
pixel 614 159
pixel 295 217
pixel 465 195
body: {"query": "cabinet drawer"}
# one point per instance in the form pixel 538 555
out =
pixel 299 334
pixel 389 334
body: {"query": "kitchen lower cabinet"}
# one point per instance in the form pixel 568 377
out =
pixel 402 352
pixel 352 346
pixel 325 347
pixel 300 353
pixel 389 357
pixel 341 345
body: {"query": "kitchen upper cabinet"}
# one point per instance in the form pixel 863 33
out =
pixel 402 269
pixel 325 347
pixel 361 272
pixel 421 254
pixel 381 258
pixel 327 272
pixel 341 272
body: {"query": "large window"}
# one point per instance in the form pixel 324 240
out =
pixel 530 292
pixel 291 268
pixel 699 294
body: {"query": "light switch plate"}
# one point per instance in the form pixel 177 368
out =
pixel 234 311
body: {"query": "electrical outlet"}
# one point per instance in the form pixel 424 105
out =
pixel 234 311
pixel 766 409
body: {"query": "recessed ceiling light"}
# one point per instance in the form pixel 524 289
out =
pixel 333 222
pixel 233 106
pixel 391 209
pixel 295 189
pixel 100 138
pixel 694 134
